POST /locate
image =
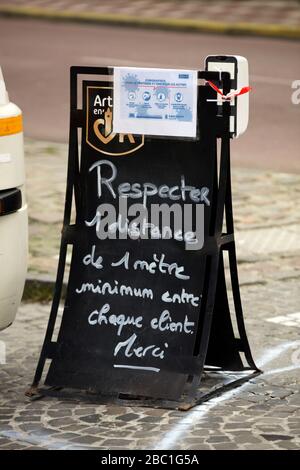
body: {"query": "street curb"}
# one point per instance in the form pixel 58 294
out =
pixel 40 288
pixel 177 24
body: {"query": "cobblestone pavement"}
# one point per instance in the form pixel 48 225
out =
pixel 284 12
pixel 261 414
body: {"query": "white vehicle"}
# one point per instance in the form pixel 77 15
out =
pixel 13 209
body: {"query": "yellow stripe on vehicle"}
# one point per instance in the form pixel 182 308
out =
pixel 11 125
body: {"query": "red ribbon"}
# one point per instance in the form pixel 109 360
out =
pixel 232 94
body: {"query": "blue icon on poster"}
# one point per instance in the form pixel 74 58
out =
pixel 161 96
pixel 178 97
pixel 131 96
pixel 146 96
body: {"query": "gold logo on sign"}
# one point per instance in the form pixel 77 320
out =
pixel 107 122
pixel 99 133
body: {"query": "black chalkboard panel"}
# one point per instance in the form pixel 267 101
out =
pixel 138 311
pixel 138 278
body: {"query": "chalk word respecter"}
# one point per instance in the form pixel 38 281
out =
pixel 108 223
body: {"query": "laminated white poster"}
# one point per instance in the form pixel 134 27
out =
pixel 153 101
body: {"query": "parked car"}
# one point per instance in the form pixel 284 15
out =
pixel 13 209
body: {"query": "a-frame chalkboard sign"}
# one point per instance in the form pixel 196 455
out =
pixel 145 319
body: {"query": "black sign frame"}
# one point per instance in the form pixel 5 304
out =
pixel 216 344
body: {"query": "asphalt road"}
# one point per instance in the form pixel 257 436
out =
pixel 36 56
